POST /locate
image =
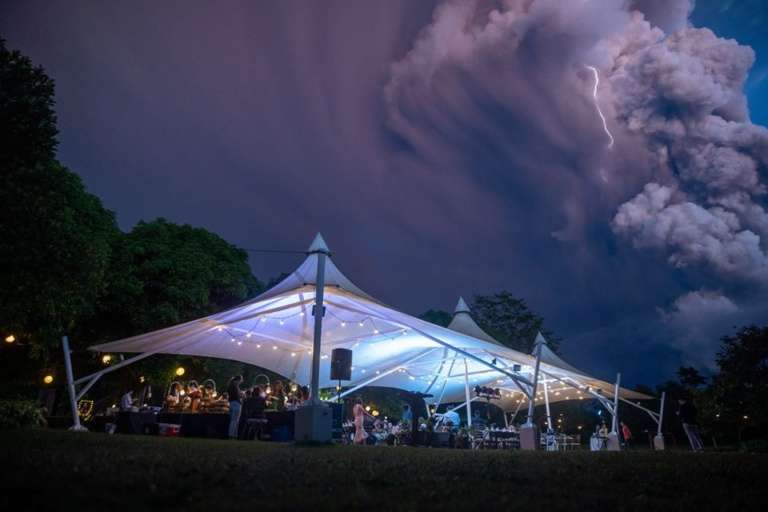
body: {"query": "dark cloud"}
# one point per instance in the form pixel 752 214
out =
pixel 442 150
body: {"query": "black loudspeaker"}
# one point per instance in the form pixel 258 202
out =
pixel 341 364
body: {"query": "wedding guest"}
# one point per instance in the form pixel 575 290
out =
pixel 126 401
pixel 234 396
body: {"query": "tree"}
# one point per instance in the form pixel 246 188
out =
pixel 509 320
pixel 27 119
pixel 437 317
pixel 55 238
pixel 690 377
pixel 164 273
pixel 741 387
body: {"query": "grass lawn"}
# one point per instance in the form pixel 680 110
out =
pixel 54 470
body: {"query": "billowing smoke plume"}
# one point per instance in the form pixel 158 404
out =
pixel 503 90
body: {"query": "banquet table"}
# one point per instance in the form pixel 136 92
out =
pixel 141 422
pixel 210 425
pixel 502 439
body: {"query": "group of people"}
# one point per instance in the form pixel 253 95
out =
pixel 250 403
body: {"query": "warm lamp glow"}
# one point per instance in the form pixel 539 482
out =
pixel 10 338
pixel 374 413
pixel 368 408
pixel 106 358
pixel 48 379
pixel 180 371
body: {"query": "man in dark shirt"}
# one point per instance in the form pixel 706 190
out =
pixel 688 413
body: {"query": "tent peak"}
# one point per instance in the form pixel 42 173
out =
pixel 318 245
pixel 461 307
pixel 540 340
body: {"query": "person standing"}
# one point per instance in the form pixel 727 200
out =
pixel 627 435
pixel 688 417
pixel 235 405
pixel 358 411
pixel 407 414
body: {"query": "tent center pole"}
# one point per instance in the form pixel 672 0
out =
pixel 532 396
pixel 318 314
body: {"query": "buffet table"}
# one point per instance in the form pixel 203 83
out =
pixel 210 425
pixel 141 422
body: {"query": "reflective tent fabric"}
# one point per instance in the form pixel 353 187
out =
pixel 275 331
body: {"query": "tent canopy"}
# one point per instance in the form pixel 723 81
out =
pixel 390 348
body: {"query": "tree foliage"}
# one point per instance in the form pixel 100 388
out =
pixel 164 273
pixel 509 320
pixel 437 317
pixel 27 118
pixel 55 238
pixel 741 387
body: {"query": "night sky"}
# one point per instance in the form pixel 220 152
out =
pixel 445 149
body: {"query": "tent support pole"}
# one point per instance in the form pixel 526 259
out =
pixel 71 386
pixel 517 410
pixel 463 404
pixel 658 441
pixel 385 373
pixel 84 390
pixel 466 393
pixel 445 383
pixel 661 413
pixel 579 386
pixel 319 311
pixel 546 403
pixel 615 422
pixel 532 396
pixel 387 318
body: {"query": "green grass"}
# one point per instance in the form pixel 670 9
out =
pixel 53 470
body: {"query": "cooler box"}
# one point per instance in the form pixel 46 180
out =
pixel 168 429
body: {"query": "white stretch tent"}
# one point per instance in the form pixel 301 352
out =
pixel 391 349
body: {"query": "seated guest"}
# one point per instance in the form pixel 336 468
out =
pixel 452 418
pixel 407 414
pixel 126 401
